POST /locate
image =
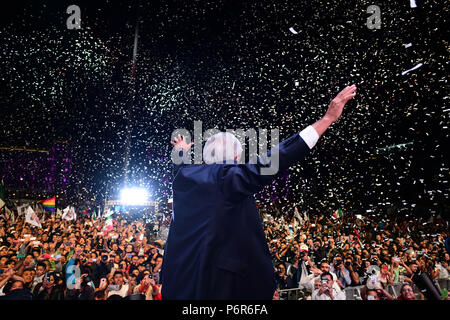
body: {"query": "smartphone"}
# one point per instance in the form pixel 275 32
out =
pixel 113 287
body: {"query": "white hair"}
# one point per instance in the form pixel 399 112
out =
pixel 222 146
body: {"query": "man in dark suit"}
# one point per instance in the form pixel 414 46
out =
pixel 216 248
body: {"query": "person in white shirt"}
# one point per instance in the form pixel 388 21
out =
pixel 326 290
pixel 444 270
pixel 309 281
pixel 119 287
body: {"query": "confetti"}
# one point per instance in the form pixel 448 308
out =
pixel 414 68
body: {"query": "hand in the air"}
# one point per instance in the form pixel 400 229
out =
pixel 180 143
pixel 337 104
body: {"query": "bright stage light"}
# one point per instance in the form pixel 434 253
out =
pixel 133 196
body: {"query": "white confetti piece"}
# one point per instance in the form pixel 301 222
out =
pixel 412 3
pixel 408 45
pixel 292 30
pixel 414 68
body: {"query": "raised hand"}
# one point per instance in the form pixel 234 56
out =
pixel 180 143
pixel 337 104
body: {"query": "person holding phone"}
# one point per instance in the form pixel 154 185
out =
pixel 118 286
pixel 325 290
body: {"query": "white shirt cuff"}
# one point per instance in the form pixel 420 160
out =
pixel 310 136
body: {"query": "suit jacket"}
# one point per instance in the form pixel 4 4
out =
pixel 216 247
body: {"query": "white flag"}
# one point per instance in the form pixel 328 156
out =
pixel 297 215
pixel 32 218
pixel 22 209
pixel 108 213
pixel 305 216
pixel 58 213
pixel 69 213
pixel 10 214
pixel 43 217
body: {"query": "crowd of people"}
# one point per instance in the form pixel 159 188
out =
pixel 324 255
pixel 81 260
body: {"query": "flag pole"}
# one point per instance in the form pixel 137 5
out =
pixel 133 88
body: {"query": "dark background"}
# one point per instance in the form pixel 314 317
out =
pixel 233 64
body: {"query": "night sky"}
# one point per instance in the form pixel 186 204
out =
pixel 236 64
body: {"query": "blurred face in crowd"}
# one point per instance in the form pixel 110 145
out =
pixel 326 279
pixel 337 261
pixel 282 269
pixel 3 260
pixel 372 295
pixel 27 276
pixel 317 284
pixel 40 270
pixel 118 279
pixel 324 267
pixel 407 293
pixel 16 285
pixel 51 280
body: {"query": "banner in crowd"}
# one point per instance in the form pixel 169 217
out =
pixel 48 204
pixel 69 213
pixel 32 218
pixel 58 213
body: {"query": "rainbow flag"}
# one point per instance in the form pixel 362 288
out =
pixel 48 204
